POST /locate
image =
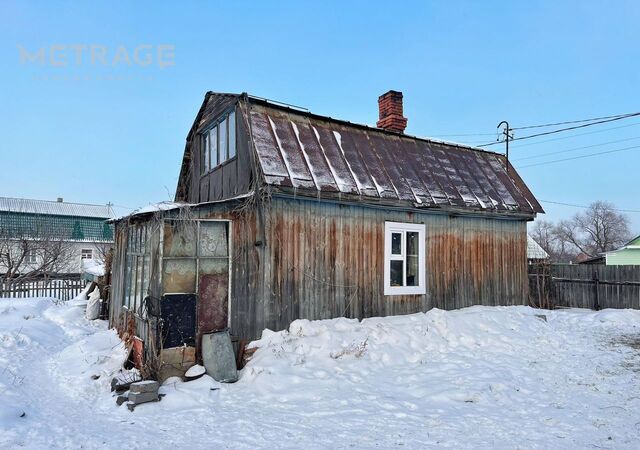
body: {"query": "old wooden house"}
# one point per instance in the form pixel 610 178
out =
pixel 283 214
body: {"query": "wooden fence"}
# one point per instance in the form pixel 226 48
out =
pixel 584 286
pixel 62 287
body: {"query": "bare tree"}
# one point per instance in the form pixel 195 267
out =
pixel 34 254
pixel 599 229
pixel 545 233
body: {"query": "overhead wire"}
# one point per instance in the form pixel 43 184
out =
pixel 578 157
pixel 571 122
pixel 587 207
pixel 546 133
pixel 575 135
pixel 575 148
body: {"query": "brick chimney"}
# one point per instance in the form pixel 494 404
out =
pixel 390 107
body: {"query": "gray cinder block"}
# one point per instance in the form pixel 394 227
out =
pixel 144 386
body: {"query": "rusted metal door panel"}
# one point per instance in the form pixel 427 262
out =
pixel 213 277
pixel 213 285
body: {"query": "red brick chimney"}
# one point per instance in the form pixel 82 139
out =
pixel 390 107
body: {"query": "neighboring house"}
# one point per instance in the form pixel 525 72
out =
pixel 627 255
pixel 78 230
pixel 282 214
pixel 535 253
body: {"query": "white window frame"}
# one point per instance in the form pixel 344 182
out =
pixel 88 250
pixel 403 228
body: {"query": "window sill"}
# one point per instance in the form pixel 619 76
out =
pixel 395 291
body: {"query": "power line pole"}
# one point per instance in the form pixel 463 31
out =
pixel 507 133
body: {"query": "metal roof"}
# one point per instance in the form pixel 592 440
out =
pixel 311 154
pixel 534 250
pixel 29 206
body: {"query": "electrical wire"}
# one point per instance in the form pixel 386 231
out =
pixel 546 133
pixel 570 122
pixel 575 148
pixel 587 207
pixel 578 157
pixel 517 146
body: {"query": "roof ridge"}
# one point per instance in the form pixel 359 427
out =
pixel 107 205
pixel 307 112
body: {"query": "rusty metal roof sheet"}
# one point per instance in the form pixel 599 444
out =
pixel 313 155
pixel 29 206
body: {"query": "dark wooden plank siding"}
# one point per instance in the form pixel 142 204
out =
pixel 232 178
pixel 326 260
pixel 319 260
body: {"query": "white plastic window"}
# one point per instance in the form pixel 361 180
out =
pixel 404 258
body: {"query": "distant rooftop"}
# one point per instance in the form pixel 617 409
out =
pixel 56 208
pixel 534 250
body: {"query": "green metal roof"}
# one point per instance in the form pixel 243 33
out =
pixel 66 227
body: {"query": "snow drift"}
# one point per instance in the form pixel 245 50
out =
pixel 480 377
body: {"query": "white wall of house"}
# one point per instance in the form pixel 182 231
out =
pixel 75 251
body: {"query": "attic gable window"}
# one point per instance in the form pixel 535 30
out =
pixel 218 143
pixel 404 258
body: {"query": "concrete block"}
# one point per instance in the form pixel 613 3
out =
pixel 144 386
pixel 142 397
pixel 121 399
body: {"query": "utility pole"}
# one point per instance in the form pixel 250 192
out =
pixel 507 135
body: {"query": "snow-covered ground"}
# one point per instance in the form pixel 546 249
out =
pixel 475 378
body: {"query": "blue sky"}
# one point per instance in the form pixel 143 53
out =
pixel 100 133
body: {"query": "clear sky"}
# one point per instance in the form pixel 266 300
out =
pixel 115 132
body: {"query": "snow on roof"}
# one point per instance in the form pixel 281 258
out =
pixel 305 152
pixel 93 267
pixel 154 207
pixel 56 208
pixel 534 251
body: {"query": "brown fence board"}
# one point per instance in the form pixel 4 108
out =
pixel 585 286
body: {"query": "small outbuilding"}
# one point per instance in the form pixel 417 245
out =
pixel 283 214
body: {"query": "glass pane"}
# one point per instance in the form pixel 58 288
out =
pixel 132 283
pixel 179 276
pixel 127 281
pixel 213 146
pixel 204 150
pixel 213 239
pixel 396 243
pixel 180 238
pixel 214 266
pixel 139 274
pixel 223 141
pixel 145 278
pixel 232 135
pixel 396 273
pixel 413 240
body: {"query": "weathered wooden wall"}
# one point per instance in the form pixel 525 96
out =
pixel 231 178
pixel 117 276
pixel 318 260
pixel 586 286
